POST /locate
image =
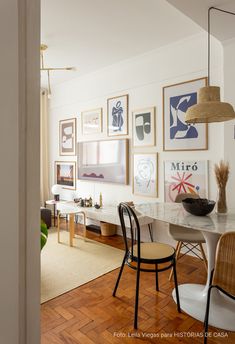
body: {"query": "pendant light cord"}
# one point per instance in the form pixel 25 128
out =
pixel 209 37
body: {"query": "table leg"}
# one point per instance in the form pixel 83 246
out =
pixel 71 229
pixel 193 296
pixel 54 210
pixel 58 227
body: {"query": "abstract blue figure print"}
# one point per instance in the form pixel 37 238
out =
pixel 117 111
pixel 179 129
pixel 117 115
pixel 177 134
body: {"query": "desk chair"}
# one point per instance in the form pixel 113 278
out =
pixel 138 253
pixel 223 275
pixel 187 238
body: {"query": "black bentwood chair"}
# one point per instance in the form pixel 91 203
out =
pixel 137 253
pixel 223 275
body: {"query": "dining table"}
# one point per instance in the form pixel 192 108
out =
pixel 193 297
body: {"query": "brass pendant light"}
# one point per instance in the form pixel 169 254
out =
pixel 44 47
pixel 209 107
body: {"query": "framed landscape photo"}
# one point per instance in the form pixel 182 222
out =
pixel 67 136
pixel 177 134
pixel 117 113
pixel 182 176
pixel 92 121
pixel 145 174
pixel 143 126
pixel 65 174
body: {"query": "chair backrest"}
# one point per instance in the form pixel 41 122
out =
pixel 224 271
pixel 180 197
pixel 128 219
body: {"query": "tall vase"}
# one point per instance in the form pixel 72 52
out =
pixel 221 201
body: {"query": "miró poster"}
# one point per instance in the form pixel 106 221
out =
pixel 185 177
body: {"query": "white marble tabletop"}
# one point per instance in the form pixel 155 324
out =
pixel 175 214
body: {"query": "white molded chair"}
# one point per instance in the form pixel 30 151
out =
pixel 187 238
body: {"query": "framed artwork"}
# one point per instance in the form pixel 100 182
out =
pixel 117 112
pixel 145 174
pixel 67 136
pixel 104 161
pixel 177 134
pixel 143 126
pixel 92 121
pixel 65 174
pixel 185 177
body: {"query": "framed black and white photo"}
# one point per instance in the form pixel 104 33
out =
pixel 143 126
pixel 92 121
pixel 67 136
pixel 145 174
pixel 177 134
pixel 117 113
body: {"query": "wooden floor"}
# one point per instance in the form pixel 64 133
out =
pixel 89 314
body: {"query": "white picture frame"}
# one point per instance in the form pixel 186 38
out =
pixel 117 115
pixel 143 127
pixel 145 174
pixel 185 176
pixel 65 174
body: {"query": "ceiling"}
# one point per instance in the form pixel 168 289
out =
pixel 222 25
pixel 92 34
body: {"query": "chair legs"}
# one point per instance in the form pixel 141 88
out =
pixel 207 315
pixel 176 287
pixel 177 253
pixel 119 275
pixel 137 296
pixel 203 255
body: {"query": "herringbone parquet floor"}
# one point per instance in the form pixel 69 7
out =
pixel 89 314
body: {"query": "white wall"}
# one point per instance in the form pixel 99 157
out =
pixel 142 78
pixel 229 127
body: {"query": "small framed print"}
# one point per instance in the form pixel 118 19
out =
pixel 117 112
pixel 65 174
pixel 182 176
pixel 92 121
pixel 67 136
pixel 177 134
pixel 145 174
pixel 143 126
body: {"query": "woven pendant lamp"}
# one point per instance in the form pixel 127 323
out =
pixel 209 107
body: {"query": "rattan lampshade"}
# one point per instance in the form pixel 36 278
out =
pixel 209 107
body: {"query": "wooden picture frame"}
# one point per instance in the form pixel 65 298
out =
pixel 67 137
pixel 65 174
pixel 108 164
pixel 92 121
pixel 143 127
pixel 117 115
pixel 145 174
pixel 177 134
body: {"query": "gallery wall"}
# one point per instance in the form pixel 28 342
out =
pixel 143 78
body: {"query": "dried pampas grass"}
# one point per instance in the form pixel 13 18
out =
pixel 222 173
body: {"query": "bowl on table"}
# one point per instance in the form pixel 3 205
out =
pixel 198 206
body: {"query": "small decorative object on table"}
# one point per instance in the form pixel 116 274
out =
pixel 101 200
pixel 97 206
pixel 221 174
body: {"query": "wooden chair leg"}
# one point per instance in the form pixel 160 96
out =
pixel 177 250
pixel 203 255
pixel 157 283
pixel 58 227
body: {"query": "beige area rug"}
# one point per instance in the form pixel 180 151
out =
pixel 64 268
